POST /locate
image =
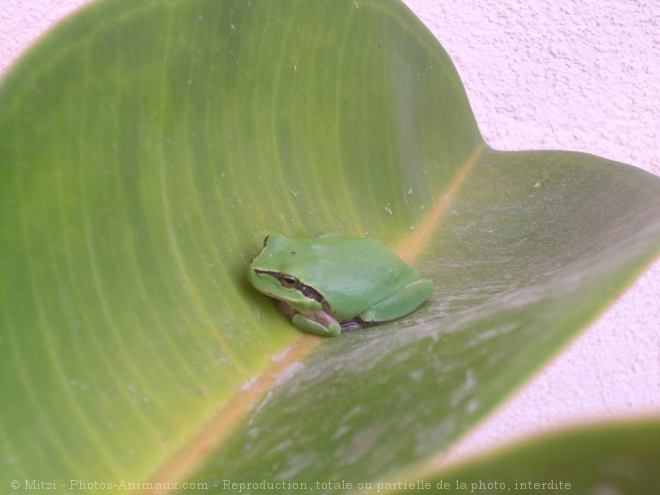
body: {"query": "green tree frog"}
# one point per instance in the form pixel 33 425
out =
pixel 334 283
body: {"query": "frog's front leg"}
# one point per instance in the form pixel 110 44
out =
pixel 316 322
pixel 408 299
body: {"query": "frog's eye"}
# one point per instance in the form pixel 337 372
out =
pixel 289 282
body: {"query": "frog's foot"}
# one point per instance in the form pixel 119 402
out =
pixel 407 300
pixel 316 322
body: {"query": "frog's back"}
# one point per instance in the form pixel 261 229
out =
pixel 359 272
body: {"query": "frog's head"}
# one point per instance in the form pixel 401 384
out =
pixel 276 271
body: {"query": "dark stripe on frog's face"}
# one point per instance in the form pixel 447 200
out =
pixel 291 282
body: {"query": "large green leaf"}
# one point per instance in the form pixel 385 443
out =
pixel 603 459
pixel 146 148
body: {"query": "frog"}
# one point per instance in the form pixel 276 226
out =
pixel 332 284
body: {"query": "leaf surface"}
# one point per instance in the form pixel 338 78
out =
pixel 605 458
pixel 146 149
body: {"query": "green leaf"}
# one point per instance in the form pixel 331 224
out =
pixel 146 149
pixel 519 270
pixel 595 459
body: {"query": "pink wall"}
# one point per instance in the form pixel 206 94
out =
pixel 539 75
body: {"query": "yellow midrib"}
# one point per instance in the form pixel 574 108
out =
pixel 210 436
pixel 192 455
